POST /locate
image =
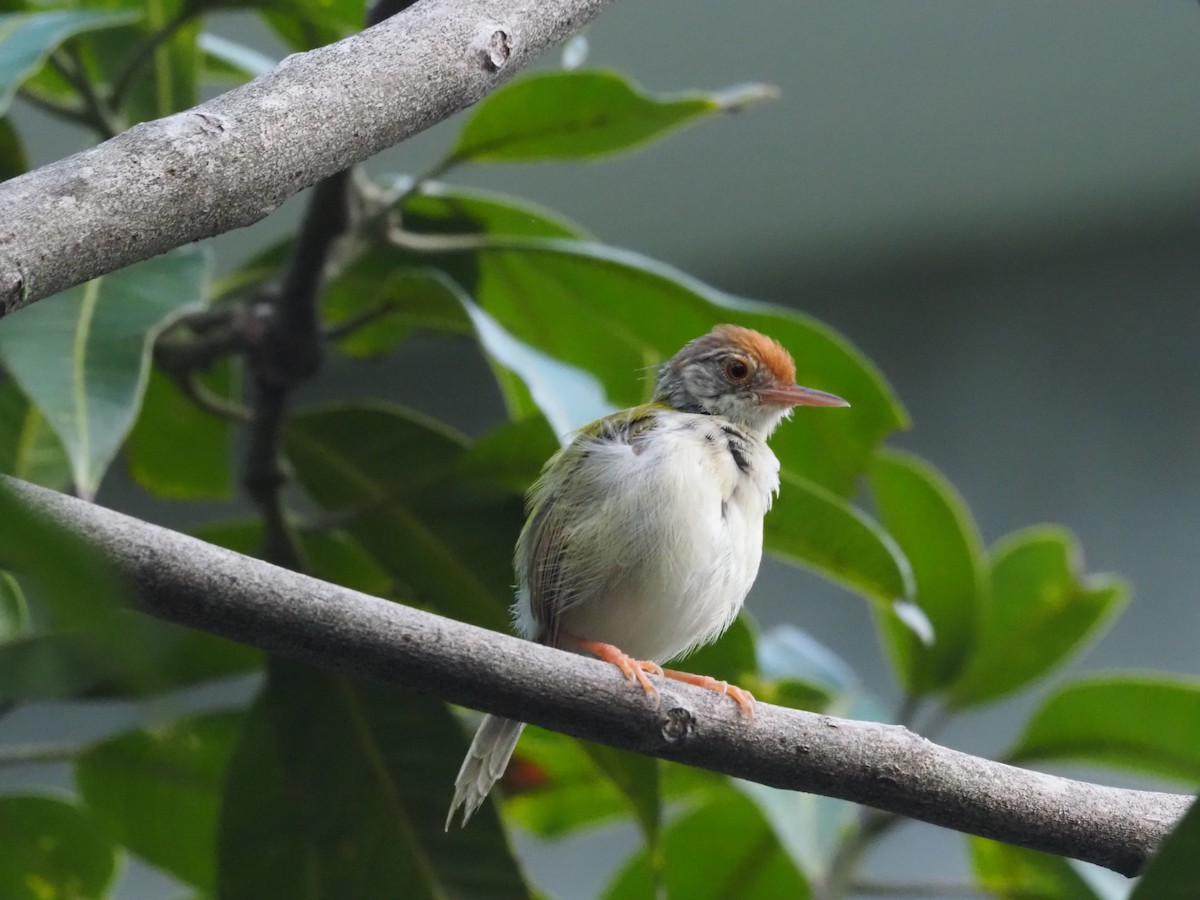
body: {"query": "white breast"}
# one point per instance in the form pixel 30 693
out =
pixel 671 538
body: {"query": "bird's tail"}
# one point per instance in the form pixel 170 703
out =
pixel 486 761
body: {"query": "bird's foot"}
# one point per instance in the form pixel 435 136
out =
pixel 633 669
pixel 743 697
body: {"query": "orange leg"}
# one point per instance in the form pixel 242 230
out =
pixel 743 697
pixel 633 669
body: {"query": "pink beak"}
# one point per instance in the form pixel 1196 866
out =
pixel 795 395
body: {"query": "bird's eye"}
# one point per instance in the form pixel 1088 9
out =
pixel 737 369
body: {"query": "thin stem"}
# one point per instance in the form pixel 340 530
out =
pixel 58 110
pixel 100 115
pixel 145 52
pixel 873 826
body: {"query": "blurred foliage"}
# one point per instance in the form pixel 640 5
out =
pixel 328 787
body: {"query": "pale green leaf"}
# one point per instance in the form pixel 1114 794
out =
pixel 82 357
pixel 27 38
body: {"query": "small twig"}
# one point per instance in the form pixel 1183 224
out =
pixel 211 402
pixel 74 114
pixel 100 115
pixel 349 326
pixel 874 824
pixel 133 68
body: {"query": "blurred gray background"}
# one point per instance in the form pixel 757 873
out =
pixel 997 202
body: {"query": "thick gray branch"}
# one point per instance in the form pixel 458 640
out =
pixel 229 162
pixel 184 580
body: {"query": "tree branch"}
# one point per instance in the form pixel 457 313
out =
pixel 184 580
pixel 231 161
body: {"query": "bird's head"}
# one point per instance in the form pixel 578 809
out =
pixel 738 374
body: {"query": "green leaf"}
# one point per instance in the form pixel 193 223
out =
pixel 330 555
pixel 83 356
pixel 14 610
pixel 339 789
pixel 397 298
pixel 126 656
pixel 12 153
pixel 636 776
pixel 29 450
pixel 935 530
pixel 511 455
pixel 168 79
pixel 52 849
pixel 1015 873
pixel 814 527
pixel 741 858
pixel 1042 609
pixel 788 652
pixel 534 382
pixel 304 25
pixel 582 115
pixel 445 210
pixel 1140 722
pixel 553 787
pixel 157 791
pixel 1174 871
pixel 377 305
pixel 617 315
pixel 27 38
pixel 178 450
pixel 390 474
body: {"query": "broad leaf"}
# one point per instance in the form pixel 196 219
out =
pixel 1042 609
pixel 339 789
pixel 1174 871
pixel 788 652
pixel 178 450
pixel 617 316
pixel 386 301
pixel 511 455
pixel 387 473
pixel 157 791
pixel 1139 722
pixel 742 858
pixel 27 38
pixel 330 555
pixel 636 776
pixel 303 25
pixel 1005 871
pixel 553 786
pixel 82 357
pixel 812 526
pixel 52 849
pixel 934 528
pixel 581 115
pixel 534 382
pixel 29 450
pixel 128 656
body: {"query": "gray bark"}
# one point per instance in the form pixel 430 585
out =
pixel 230 162
pixel 888 767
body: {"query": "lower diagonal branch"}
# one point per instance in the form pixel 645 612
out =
pixel 888 767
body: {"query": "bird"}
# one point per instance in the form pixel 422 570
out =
pixel 644 532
